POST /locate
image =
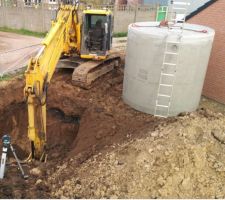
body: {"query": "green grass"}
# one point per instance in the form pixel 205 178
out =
pixel 121 34
pixel 5 78
pixel 23 32
pixel 41 35
pixel 19 74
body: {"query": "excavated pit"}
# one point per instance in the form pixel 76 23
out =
pixel 62 130
pixel 92 143
pixel 67 107
pixel 80 124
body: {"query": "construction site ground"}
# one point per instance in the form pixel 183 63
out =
pixel 98 147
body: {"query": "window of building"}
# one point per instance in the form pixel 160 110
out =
pixel 52 1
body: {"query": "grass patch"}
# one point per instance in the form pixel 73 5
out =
pixel 19 74
pixel 5 78
pixel 23 32
pixel 121 34
pixel 42 35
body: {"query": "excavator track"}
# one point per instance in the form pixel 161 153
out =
pixel 86 73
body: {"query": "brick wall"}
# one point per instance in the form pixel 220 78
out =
pixel 213 16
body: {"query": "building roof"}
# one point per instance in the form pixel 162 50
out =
pixel 201 8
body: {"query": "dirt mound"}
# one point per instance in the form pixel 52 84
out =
pixel 100 147
pixel 80 123
pixel 181 160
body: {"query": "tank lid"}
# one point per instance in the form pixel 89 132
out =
pixel 154 28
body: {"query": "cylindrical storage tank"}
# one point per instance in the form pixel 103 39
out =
pixel 144 64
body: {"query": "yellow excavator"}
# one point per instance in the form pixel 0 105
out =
pixel 88 42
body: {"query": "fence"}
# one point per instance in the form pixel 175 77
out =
pixel 37 17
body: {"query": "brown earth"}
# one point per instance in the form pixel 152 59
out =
pixel 100 147
pixel 99 114
pixel 182 160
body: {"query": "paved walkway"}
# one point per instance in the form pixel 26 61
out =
pixel 10 57
pixel 119 43
pixel 16 50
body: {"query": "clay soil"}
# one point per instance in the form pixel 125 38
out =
pixel 98 147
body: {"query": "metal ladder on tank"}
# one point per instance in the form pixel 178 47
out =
pixel 170 59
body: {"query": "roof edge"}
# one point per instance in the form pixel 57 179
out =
pixel 200 9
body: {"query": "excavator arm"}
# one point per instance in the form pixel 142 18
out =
pixel 63 38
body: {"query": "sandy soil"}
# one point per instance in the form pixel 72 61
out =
pixel 12 60
pixel 100 147
pixel 181 160
pixel 103 120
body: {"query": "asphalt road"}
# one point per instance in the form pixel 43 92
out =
pixel 14 51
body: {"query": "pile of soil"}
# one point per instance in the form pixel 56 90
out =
pixel 80 123
pixel 100 147
pixel 185 159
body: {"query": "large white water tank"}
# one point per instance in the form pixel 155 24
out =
pixel 144 61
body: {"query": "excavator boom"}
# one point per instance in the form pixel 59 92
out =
pixel 63 38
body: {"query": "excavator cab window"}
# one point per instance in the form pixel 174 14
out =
pixel 96 34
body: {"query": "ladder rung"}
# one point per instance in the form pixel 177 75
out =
pixel 172 42
pixel 178 8
pixel 170 23
pixel 172 64
pixel 179 27
pixel 180 20
pixel 163 106
pixel 165 74
pixel 165 85
pixel 181 3
pixel 171 53
pixel 164 95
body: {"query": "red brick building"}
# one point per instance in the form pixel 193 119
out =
pixel 212 14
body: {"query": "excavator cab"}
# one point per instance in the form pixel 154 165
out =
pixel 96 34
